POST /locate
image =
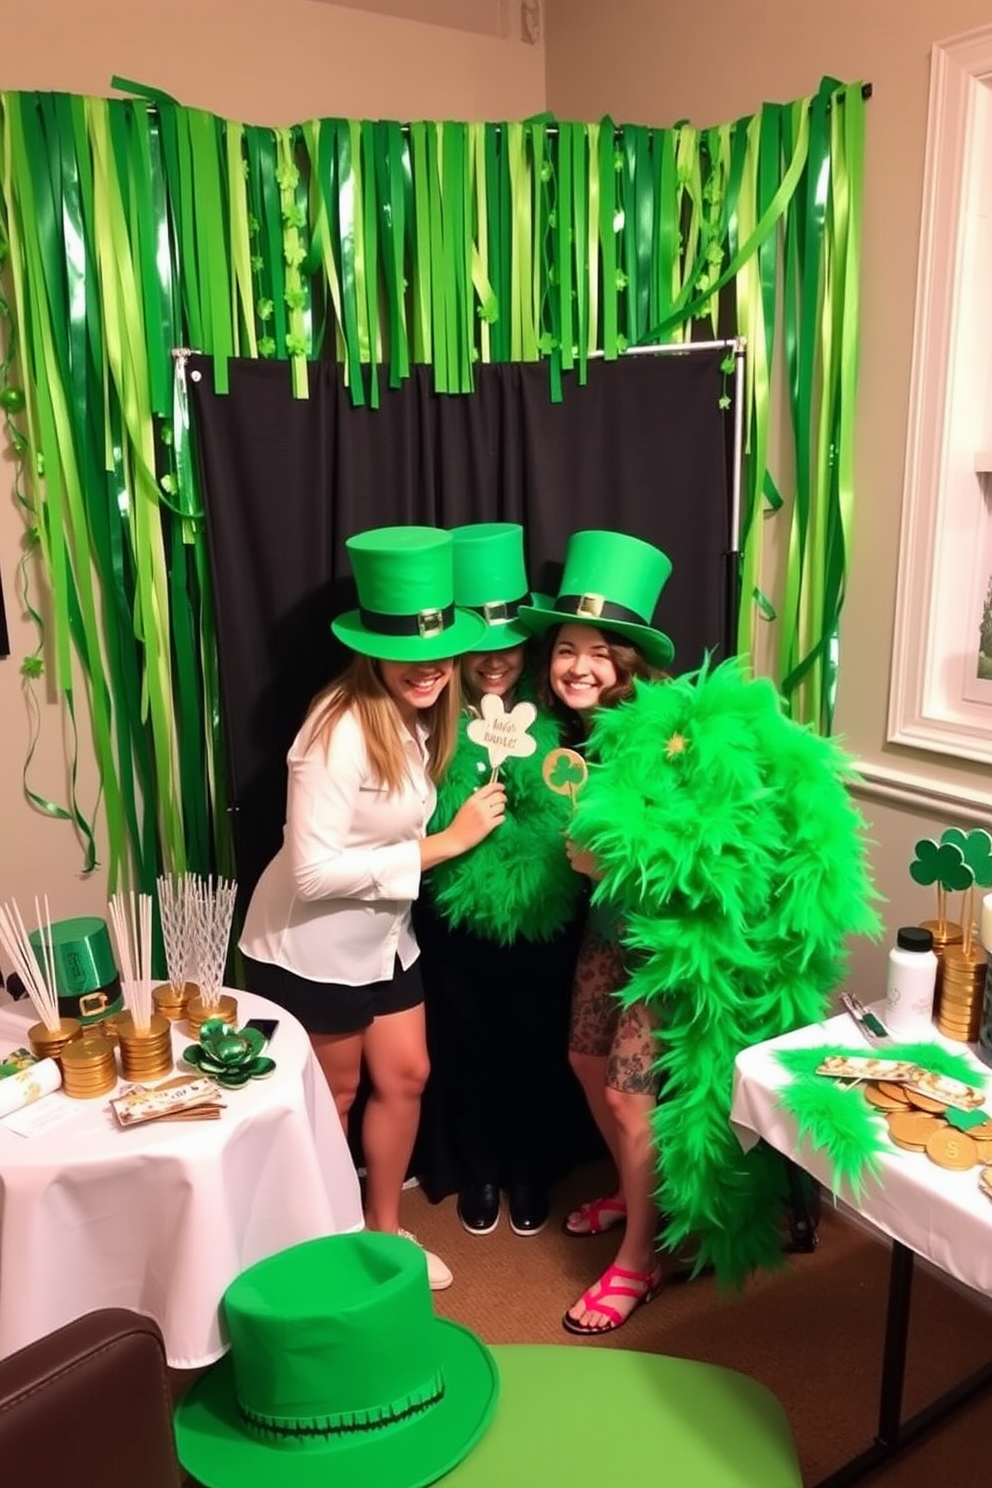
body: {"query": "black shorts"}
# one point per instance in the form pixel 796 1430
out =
pixel 331 1007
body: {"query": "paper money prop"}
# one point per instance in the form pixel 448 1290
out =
pixel 503 734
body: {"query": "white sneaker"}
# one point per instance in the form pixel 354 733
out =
pixel 438 1275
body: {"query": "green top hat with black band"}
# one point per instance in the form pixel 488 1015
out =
pixel 406 597
pixel 86 980
pixel 339 1373
pixel 614 582
pixel 491 579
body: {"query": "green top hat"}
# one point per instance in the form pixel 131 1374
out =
pixel 406 601
pixel 339 1373
pixel 491 579
pixel 86 980
pixel 614 582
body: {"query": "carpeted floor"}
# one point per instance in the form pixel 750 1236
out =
pixel 812 1332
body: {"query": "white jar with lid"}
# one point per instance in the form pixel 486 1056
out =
pixel 910 983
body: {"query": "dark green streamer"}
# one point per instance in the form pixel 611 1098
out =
pixel 355 241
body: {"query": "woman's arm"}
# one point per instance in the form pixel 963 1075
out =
pixel 480 813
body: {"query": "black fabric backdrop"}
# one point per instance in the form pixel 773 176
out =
pixel 643 448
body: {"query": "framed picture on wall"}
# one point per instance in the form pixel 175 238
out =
pixel 941 692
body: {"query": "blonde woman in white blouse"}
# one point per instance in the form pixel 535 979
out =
pixel 328 934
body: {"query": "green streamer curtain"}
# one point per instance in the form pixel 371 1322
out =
pixel 134 228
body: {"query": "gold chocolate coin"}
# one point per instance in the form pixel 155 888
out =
pixel 984 1148
pixel 952 1149
pixel 881 1102
pixel 925 1102
pixel 911 1129
pixel 894 1092
pixel 982 1133
pixel 985 1182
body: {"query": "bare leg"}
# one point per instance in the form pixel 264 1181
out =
pixel 594 1019
pixel 340 1057
pixel 396 1054
pixel 631 1095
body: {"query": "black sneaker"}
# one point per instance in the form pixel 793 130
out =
pixel 529 1208
pixel 478 1208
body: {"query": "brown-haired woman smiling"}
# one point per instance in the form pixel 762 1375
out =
pixel 600 643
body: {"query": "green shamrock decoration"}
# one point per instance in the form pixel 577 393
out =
pixel 942 864
pixel 566 773
pixel 976 848
pixel 231 1056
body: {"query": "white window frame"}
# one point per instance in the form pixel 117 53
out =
pixel 936 700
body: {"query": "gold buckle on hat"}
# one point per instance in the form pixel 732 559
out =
pixel 496 613
pixel 429 623
pixel 93 1002
pixel 590 604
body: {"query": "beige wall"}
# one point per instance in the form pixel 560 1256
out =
pixel 265 61
pixel 652 63
pixel 637 60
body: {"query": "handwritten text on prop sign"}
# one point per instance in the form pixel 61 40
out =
pixel 503 734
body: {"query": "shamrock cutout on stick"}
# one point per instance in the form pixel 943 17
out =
pixel 976 848
pixel 942 864
pixel 503 734
pixel 565 772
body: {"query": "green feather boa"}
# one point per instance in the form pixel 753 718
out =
pixel 730 843
pixel 517 883
pixel 837 1118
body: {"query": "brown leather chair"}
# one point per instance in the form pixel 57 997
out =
pixel 89 1405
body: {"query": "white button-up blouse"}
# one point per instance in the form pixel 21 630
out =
pixel 333 905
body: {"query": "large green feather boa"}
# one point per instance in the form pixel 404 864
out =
pixel 729 840
pixel 517 883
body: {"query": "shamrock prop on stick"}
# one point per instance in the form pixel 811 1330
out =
pixel 565 772
pixel 976 852
pixel 501 733
pixel 955 865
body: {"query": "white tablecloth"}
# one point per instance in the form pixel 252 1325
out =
pixel 163 1217
pixel 939 1214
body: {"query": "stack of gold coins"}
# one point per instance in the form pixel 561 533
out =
pixel 48 1043
pixel 945 933
pixel 197 1012
pixel 88 1068
pixel 962 993
pixel 146 1054
pixel 172 1002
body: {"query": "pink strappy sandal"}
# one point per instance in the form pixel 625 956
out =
pixel 642 1286
pixel 600 1215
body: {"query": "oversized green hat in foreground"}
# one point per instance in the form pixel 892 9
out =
pixel 340 1375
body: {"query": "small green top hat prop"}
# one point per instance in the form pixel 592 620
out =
pixel 86 978
pixel 406 600
pixel 614 582
pixel 491 579
pixel 339 1373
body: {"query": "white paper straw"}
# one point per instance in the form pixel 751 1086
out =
pixel 41 989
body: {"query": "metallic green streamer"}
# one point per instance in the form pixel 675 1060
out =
pixel 166 227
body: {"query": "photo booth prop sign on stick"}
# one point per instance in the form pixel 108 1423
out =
pixel 503 734
pixel 565 772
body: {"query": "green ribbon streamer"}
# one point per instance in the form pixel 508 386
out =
pixel 607 237
pixel 136 227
